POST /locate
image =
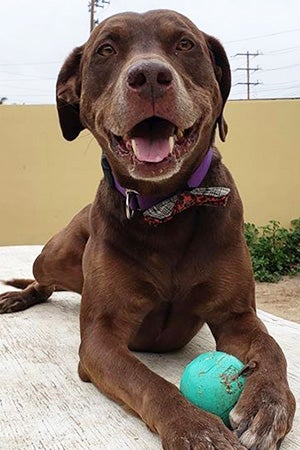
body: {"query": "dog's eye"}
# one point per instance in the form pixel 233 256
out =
pixel 185 44
pixel 106 50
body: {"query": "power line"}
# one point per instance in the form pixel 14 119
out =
pixel 282 67
pixel 296 86
pixel 263 35
pixel 24 75
pixel 30 64
pixel 31 95
pixel 282 50
pixel 26 79
pixel 284 82
pixel 26 88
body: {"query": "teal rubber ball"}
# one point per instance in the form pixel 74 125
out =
pixel 213 382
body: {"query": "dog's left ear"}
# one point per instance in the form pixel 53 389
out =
pixel 223 76
pixel 68 88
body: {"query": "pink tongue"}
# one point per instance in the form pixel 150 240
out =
pixel 153 151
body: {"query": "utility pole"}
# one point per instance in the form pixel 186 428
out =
pixel 93 4
pixel 92 16
pixel 248 70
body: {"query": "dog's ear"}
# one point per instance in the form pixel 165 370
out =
pixel 68 89
pixel 223 76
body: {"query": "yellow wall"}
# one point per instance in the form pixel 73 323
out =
pixel 263 154
pixel 45 180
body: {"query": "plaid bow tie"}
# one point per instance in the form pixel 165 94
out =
pixel 165 210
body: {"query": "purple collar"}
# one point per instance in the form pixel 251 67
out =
pixel 137 202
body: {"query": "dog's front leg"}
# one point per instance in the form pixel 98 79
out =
pixel 265 411
pixel 107 323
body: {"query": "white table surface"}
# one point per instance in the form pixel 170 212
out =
pixel 44 405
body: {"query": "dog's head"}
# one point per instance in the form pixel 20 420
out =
pixel 151 88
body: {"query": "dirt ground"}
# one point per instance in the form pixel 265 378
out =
pixel 281 299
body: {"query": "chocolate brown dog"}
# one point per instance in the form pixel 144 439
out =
pixel 161 250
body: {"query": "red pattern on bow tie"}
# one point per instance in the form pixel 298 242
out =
pixel 167 209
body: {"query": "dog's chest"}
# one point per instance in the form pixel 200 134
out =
pixel 174 274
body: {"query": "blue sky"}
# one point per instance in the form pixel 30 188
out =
pixel 37 36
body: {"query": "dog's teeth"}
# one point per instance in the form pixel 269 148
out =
pixel 134 147
pixel 179 133
pixel 171 143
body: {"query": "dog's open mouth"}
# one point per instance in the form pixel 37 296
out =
pixel 155 143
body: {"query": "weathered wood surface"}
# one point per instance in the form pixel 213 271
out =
pixel 44 405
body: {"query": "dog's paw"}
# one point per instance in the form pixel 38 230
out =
pixel 19 300
pixel 199 431
pixel 263 415
pixel 11 302
pixel 200 441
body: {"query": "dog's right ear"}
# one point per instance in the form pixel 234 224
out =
pixel 68 88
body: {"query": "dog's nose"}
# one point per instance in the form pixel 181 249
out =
pixel 149 78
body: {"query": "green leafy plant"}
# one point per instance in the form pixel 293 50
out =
pixel 274 250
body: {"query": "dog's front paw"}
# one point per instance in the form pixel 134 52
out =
pixel 264 413
pixel 198 430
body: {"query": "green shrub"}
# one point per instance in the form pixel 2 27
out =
pixel 275 251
